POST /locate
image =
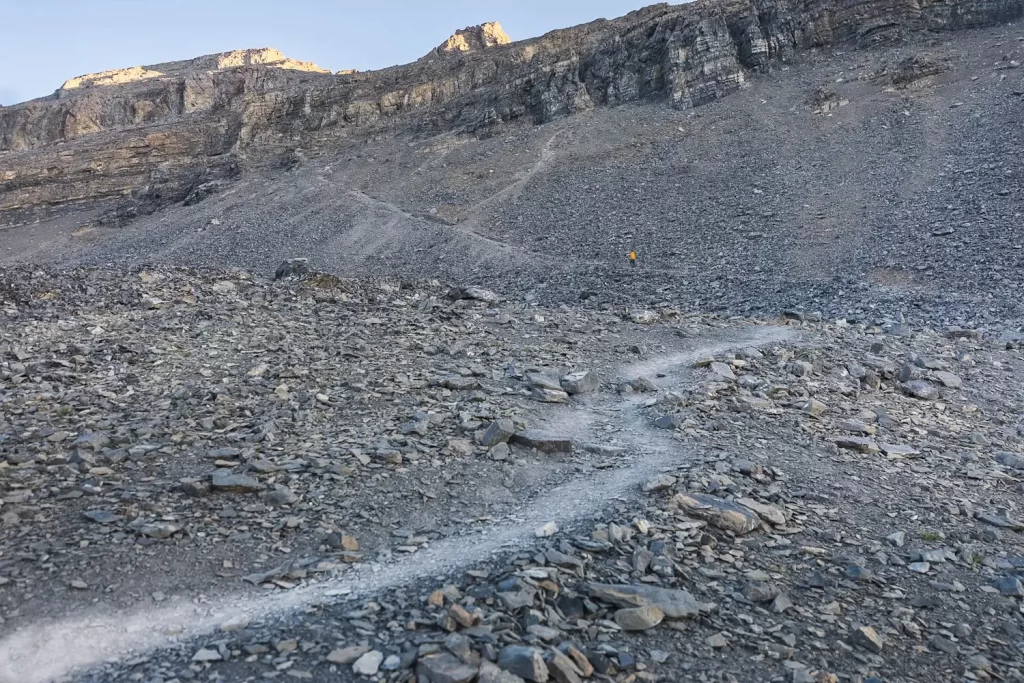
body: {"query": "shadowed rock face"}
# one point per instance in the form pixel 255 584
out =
pixel 152 138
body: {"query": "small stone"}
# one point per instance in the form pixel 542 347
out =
pixel 462 616
pixel 207 655
pixel 781 603
pixel 542 441
pixel 896 539
pixel 549 529
pixel 499 452
pixel 814 408
pixel 549 395
pixel 499 431
pixel 347 655
pixel 101 516
pixel 671 421
pixel 228 482
pixel 491 673
pixel 639 618
pixel 525 662
pixel 580 382
pixel 944 645
pixel 922 389
pixel 292 268
pixel 443 667
pixel 861 444
pixel 368 664
pixel 919 567
pixel 868 638
pixel 717 641
pixel 722 370
pixel 159 530
pixel 238 623
pixel 801 368
pixel 1010 586
pixel 660 483
pixel 279 496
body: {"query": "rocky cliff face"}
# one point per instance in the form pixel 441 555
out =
pixel 472 39
pixel 144 138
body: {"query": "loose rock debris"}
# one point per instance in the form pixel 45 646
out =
pixel 826 524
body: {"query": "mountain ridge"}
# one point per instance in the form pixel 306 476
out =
pixel 145 143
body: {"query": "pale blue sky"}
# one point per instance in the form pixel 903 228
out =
pixel 46 42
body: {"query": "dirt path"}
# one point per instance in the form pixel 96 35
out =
pixel 46 651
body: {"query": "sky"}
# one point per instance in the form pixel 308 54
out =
pixel 49 41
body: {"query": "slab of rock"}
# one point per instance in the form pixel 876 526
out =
pixel 583 382
pixel 722 370
pixel 644 317
pixel 499 431
pixel 549 395
pixel 368 664
pixel 561 668
pixel 525 662
pixel 922 389
pixel 639 618
pixel 1011 460
pixel 674 603
pixel 293 267
pixel 476 294
pixel 861 444
pixel 948 379
pixel 227 481
pixel 347 655
pixel 544 380
pixel 897 450
pixel 101 516
pixel 721 513
pixel 662 482
pixel 669 422
pixel 492 673
pixel 868 638
pixel 445 668
pixel 542 441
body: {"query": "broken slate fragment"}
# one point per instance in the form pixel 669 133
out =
pixel 861 444
pixel 922 389
pixel 525 662
pixel 674 603
pixel 101 516
pixel 443 667
pixel 868 638
pixel 580 382
pixel 499 431
pixel 549 395
pixel 228 482
pixel 639 618
pixel 542 441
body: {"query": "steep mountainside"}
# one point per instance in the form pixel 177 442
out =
pixel 155 139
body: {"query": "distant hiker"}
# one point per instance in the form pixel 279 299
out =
pixel 632 258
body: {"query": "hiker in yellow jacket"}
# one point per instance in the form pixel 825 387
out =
pixel 632 258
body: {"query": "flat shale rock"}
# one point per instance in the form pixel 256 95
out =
pixel 226 481
pixel 673 603
pixel 721 513
pixel 544 442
